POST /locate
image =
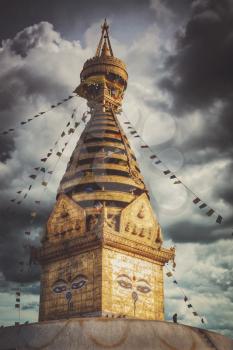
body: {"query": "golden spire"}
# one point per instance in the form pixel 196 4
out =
pixel 105 38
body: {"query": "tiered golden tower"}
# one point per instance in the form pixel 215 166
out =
pixel 102 253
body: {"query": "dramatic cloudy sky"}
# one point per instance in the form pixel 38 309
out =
pixel 179 56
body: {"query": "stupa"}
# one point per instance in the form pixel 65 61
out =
pixel 102 255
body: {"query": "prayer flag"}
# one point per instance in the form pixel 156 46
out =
pixel 11 129
pixel 63 134
pixel 158 162
pixel 70 131
pixel 19 202
pixel 17 306
pixel 189 306
pixel 53 106
pixel 37 168
pixel 203 206
pixel 153 156
pixel 33 176
pixel 137 136
pixel 42 169
pixel 18 294
pixel 43 160
pixel 166 172
pixel 185 298
pixel 133 132
pixel 68 124
pixel 144 146
pixel 13 200
pixel 27 233
pixel 36 116
pixel 219 219
pixel 44 183
pixel 37 202
pixel 126 122
pixel 50 172
pixel 202 320
pixel 29 120
pixel 177 182
pixel 169 274
pixel 210 212
pixel 29 187
pixel 17 300
pixel 195 313
pixel 59 154
pixel 25 195
pixel 76 124
pixel 49 154
pixel 42 113
pixel 19 191
pixel 175 282
pixel 196 200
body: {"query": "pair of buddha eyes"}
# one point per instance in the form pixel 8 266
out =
pixel 126 282
pixel 77 283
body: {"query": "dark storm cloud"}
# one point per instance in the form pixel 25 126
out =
pixel 69 17
pixel 201 69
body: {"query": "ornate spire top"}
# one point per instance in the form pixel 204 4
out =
pixel 104 42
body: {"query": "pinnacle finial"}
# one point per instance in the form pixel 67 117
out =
pixel 104 42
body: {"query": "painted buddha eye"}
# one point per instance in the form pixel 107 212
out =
pixel 59 286
pixel 143 286
pixel 79 282
pixel 124 284
pixel 124 281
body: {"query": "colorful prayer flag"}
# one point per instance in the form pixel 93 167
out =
pixel 196 200
pixel 203 206
pixel 210 212
pixel 219 219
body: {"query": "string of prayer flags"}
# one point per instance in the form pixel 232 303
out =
pixel 38 115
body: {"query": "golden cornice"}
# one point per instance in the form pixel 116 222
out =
pixel 104 195
pixel 101 178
